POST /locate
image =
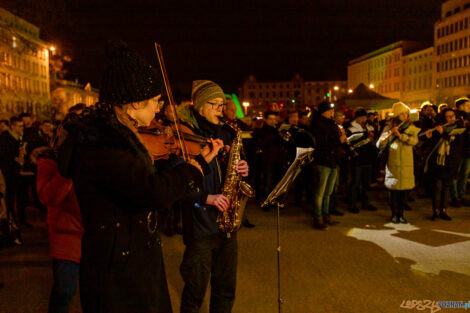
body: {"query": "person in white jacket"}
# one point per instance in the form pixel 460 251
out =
pixel 399 139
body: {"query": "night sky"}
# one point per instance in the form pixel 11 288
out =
pixel 226 41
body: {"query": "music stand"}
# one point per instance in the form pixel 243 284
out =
pixel 304 157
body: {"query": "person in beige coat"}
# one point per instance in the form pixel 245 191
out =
pixel 399 139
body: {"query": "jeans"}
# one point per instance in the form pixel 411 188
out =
pixel 361 176
pixel 398 200
pixel 65 285
pixel 325 180
pixel 441 194
pixel 459 185
pixel 213 259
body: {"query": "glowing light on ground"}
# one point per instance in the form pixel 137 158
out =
pixel 449 252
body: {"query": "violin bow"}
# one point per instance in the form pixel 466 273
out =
pixel 161 62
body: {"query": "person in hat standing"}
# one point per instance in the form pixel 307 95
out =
pixel 210 254
pixel 399 174
pixel 326 161
pixel 361 163
pixel 120 192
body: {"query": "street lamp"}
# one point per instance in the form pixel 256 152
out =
pixel 330 93
pixel 245 106
pixel 350 91
pixel 371 86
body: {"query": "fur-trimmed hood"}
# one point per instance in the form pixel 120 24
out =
pixel 97 126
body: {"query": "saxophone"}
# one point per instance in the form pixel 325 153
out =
pixel 235 189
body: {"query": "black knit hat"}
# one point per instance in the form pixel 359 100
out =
pixel 360 112
pixel 325 106
pixel 128 78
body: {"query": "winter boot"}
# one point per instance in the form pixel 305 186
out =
pixel 443 214
pixel 318 224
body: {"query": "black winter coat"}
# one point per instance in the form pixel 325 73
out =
pixel 118 190
pixel 328 145
pixel 200 219
pixel 271 144
pixel 9 150
pixel 450 168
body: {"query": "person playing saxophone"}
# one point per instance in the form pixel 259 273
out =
pixel 210 253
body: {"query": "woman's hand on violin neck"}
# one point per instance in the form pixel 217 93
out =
pixel 211 149
pixel 242 168
pixel 220 201
pixel 196 165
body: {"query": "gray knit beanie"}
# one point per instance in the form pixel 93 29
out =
pixel 204 91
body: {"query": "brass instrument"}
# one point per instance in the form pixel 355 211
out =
pixel 235 189
pixel 350 148
pixel 361 143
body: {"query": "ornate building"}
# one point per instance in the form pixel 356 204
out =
pixel 294 94
pixel 24 68
pixel 68 93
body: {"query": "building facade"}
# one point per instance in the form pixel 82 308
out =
pixel 24 68
pixel 417 78
pixel 406 71
pixel 402 70
pixel 452 46
pixel 293 95
pixel 68 93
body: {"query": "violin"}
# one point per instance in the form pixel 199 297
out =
pixel 161 140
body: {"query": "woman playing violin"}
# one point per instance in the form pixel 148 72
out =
pixel 119 190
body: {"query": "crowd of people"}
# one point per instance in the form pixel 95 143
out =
pixel 106 192
pixel 354 149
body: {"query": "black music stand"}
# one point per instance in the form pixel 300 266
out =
pixel 304 157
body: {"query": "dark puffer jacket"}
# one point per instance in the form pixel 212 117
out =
pixel 118 191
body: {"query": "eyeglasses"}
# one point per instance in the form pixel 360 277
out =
pixel 216 105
